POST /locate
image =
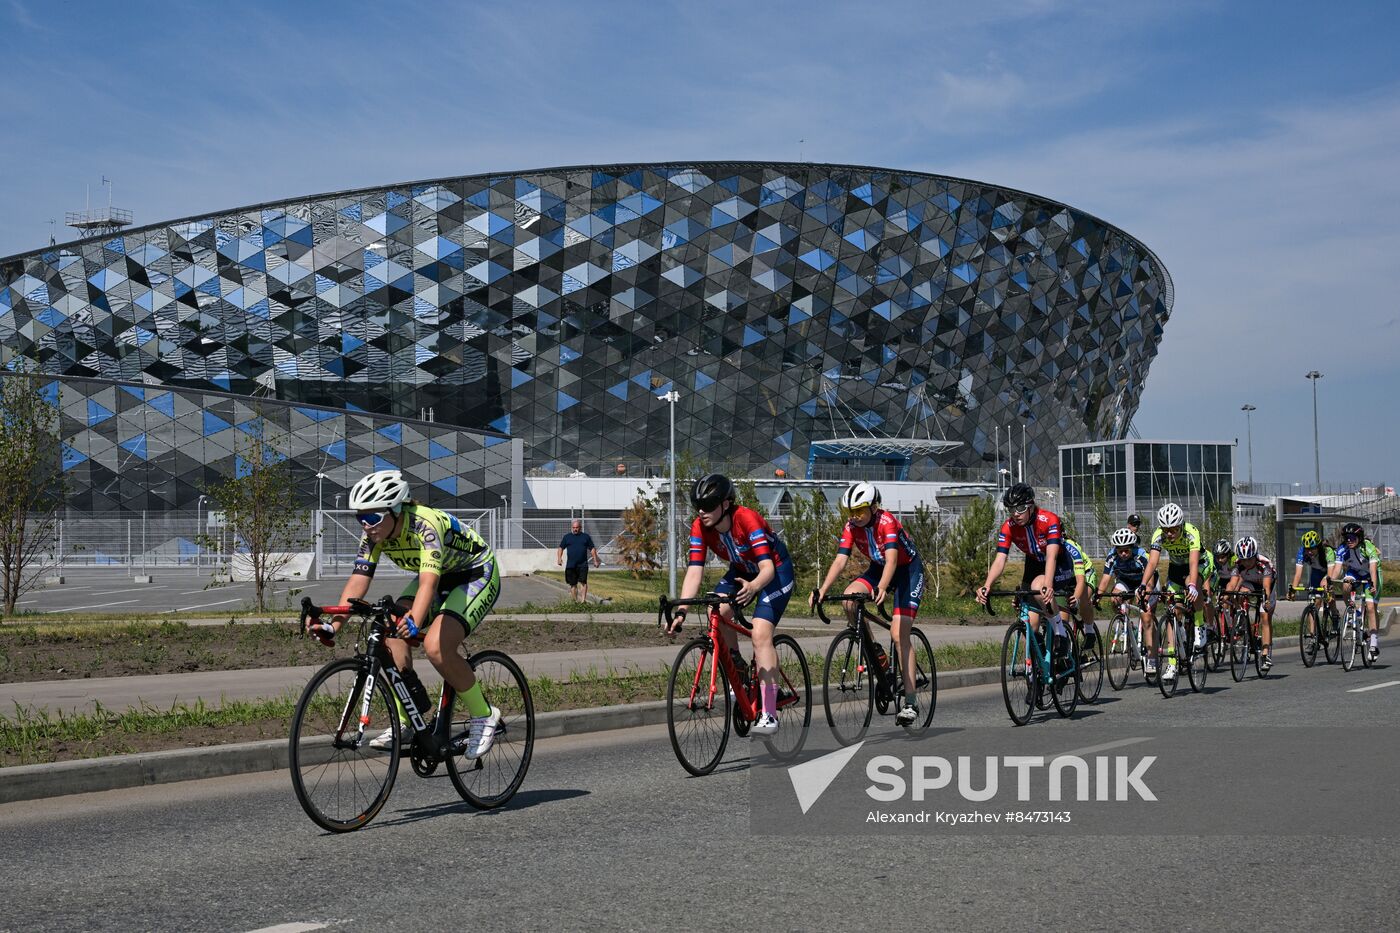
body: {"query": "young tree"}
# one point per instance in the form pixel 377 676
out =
pixel 261 508
pixel 1104 522
pixel 930 536
pixel 1218 523
pixel 643 538
pixel 747 491
pixel 810 531
pixel 31 484
pixel 970 545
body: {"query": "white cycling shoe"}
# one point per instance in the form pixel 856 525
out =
pixel 767 725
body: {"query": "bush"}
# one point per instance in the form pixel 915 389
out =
pixel 643 538
pixel 810 531
pixel 969 549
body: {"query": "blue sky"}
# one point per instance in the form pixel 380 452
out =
pixel 1253 146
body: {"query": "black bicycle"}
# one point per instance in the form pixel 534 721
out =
pixel 1321 625
pixel 860 677
pixel 342 782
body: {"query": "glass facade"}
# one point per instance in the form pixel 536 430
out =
pixel 132 447
pixel 1139 476
pixel 785 302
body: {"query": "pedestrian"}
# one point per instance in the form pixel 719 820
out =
pixel 579 545
pixel 1135 523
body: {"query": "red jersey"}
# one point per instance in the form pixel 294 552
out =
pixel 1034 538
pixel 873 540
pixel 748 541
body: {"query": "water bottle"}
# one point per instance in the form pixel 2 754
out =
pixel 417 691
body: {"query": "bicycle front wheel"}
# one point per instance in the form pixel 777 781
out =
pixel 1308 631
pixel 1091 664
pixel 1119 656
pixel 491 780
pixel 925 679
pixel 1196 661
pixel 849 694
pixel 1332 645
pixel 794 699
pixel 339 780
pixel 1064 676
pixel 1351 644
pixel 1239 645
pixel 1019 682
pixel 697 718
pixel 1167 656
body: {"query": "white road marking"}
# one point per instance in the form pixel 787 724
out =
pixel 236 599
pixel 1388 683
pixel 290 928
pixel 120 602
pixel 1100 748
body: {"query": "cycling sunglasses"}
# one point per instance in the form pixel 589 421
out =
pixel 708 505
pixel 371 519
pixel 1021 509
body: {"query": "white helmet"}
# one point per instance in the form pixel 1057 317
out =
pixel 1246 548
pixel 1124 537
pixel 858 496
pixel 383 489
pixel 1171 516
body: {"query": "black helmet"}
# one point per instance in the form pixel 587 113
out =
pixel 1018 496
pixel 1352 528
pixel 1135 520
pixel 709 491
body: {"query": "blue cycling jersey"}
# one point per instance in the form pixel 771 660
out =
pixel 1127 571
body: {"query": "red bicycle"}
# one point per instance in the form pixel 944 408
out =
pixel 707 690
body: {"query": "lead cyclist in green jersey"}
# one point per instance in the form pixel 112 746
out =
pixel 457 584
pixel 1189 567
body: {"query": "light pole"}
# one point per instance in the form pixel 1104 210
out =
pixel 672 398
pixel 198 532
pixel 1317 457
pixel 320 478
pixel 336 500
pixel 1249 432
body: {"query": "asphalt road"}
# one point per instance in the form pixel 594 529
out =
pixel 610 833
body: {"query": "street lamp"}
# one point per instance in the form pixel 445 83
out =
pixel 320 477
pixel 336 499
pixel 1317 457
pixel 1249 430
pixel 672 398
pixel 198 506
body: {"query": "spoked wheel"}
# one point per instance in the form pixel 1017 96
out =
pixel 1308 631
pixel 491 780
pixel 794 699
pixel 341 783
pixel 1196 662
pixel 1064 683
pixel 1258 643
pixel 1091 664
pixel 1019 683
pixel 925 680
pixel 1239 645
pixel 1351 644
pixel 1332 646
pixel 1119 655
pixel 697 712
pixel 850 692
pixel 1168 684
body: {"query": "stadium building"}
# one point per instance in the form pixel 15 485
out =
pixel 816 321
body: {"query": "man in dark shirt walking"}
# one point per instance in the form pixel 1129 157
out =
pixel 579 545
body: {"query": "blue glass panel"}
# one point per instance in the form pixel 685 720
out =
pixel 393 432
pixel 336 450
pixel 97 413
pixel 137 445
pixel 165 404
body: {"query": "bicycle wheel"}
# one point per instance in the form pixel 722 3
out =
pixel 1239 645
pixel 1196 661
pixel 1119 657
pixel 1332 645
pixel 341 783
pixel 1351 642
pixel 491 780
pixel 1308 631
pixel 925 679
pixel 794 699
pixel 1168 684
pixel 1019 682
pixel 697 718
pixel 1365 636
pixel 1090 680
pixel 849 697
pixel 1064 678
pixel 1257 642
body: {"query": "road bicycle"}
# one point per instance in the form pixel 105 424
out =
pixel 1185 650
pixel 860 678
pixel 342 782
pixel 1321 625
pixel 1034 666
pixel 1354 640
pixel 1124 649
pixel 707 689
pixel 1246 645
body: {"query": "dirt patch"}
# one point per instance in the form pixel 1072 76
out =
pixel 31 653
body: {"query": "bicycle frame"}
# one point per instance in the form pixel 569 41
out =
pixel 746 698
pixel 1036 646
pixel 889 682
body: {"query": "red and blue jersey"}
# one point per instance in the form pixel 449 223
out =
pixel 876 538
pixel 1034 538
pixel 748 541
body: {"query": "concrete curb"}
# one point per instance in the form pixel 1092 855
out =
pixel 33 782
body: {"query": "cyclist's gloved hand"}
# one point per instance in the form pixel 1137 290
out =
pixel 407 627
pixel 677 617
pixel 1192 592
pixel 322 631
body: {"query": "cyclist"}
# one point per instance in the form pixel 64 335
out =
pixel 1314 556
pixel 1038 535
pixel 1357 564
pixel 1124 569
pixel 1135 523
pixel 1223 556
pixel 457 584
pixel 895 568
pixel 759 570
pixel 1253 572
pixel 1188 567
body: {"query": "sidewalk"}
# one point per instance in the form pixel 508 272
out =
pixel 163 690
